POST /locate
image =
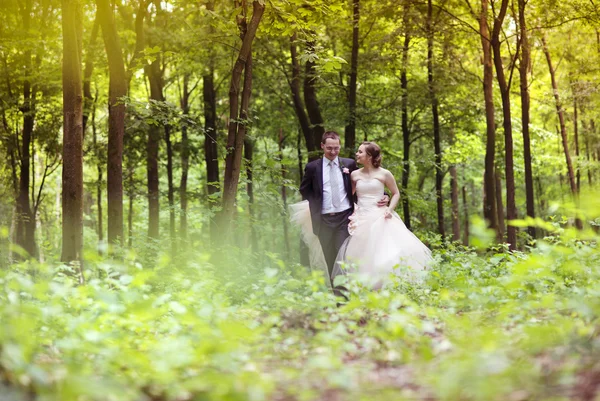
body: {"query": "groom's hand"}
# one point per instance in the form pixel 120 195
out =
pixel 383 202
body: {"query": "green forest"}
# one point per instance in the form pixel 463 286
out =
pixel 150 151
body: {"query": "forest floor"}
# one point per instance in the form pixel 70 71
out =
pixel 480 326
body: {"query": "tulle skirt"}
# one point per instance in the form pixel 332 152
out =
pixel 300 216
pixel 378 247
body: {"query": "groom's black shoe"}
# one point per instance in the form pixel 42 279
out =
pixel 340 291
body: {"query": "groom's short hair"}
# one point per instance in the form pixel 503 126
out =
pixel 330 135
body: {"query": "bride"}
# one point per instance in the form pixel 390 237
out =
pixel 379 242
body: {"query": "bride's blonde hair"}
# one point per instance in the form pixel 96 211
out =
pixel 374 151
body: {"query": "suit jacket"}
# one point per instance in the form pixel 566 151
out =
pixel 311 187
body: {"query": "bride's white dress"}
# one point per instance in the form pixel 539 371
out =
pixel 378 246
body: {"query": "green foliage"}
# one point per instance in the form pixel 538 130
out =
pixel 478 326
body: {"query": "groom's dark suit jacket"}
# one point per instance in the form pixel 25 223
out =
pixel 311 187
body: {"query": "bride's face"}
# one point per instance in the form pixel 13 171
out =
pixel 361 155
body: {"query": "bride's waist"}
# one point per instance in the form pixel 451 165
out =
pixel 368 202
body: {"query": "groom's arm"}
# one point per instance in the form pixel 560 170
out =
pixel 306 184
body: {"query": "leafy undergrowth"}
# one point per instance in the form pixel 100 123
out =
pixel 480 327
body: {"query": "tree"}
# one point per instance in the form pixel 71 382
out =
pixel 238 117
pixel 72 176
pixel 489 206
pixel 511 208
pixel 116 122
pixel 350 132
pixel 524 66
pixel 439 176
pixel 405 129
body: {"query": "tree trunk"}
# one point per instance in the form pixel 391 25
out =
pixel 563 128
pixel 455 206
pixel 405 130
pixel 466 216
pixel 99 170
pixel 499 206
pixel 350 133
pixel 72 176
pixel 489 207
pixel 249 156
pixel 130 194
pixel 576 138
pixel 299 153
pixel 588 153
pixel 284 215
pixel 311 145
pixel 210 133
pixel 185 158
pixel 237 122
pixel 436 123
pixel 524 65
pixel 310 99
pixel 26 219
pixel 155 77
pixel 511 207
pixel 561 118
pixel 116 122
pixel 170 190
pixel 87 74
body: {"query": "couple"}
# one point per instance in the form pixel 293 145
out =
pixel 369 239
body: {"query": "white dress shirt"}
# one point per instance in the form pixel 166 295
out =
pixel 344 201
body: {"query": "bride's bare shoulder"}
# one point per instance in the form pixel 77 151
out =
pixel 356 173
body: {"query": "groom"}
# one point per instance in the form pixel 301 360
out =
pixel 327 187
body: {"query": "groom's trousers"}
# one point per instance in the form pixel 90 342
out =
pixel 333 232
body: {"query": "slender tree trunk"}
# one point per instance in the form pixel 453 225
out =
pixel 185 158
pixel 286 236
pixel 455 206
pixel 587 152
pixel 170 190
pixel 116 122
pixel 436 123
pixel 576 138
pixel 499 205
pixel 237 122
pixel 152 146
pixel 563 128
pixel 26 219
pixel 350 133
pixel 561 118
pixel 489 207
pixel 466 216
pixel 87 74
pixel 524 65
pixel 405 129
pixel 210 133
pixel 249 156
pixel 511 207
pixel 311 145
pixel 72 176
pixel 299 152
pixel 99 170
pixel 131 194
pixel 310 99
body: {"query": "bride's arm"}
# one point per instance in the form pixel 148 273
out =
pixel 353 181
pixel 390 183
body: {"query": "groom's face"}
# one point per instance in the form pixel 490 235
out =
pixel 331 148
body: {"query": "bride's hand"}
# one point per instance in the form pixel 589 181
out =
pixel 388 213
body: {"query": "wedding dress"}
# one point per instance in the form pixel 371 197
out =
pixel 378 246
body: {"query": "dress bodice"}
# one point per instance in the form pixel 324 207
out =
pixel 369 191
